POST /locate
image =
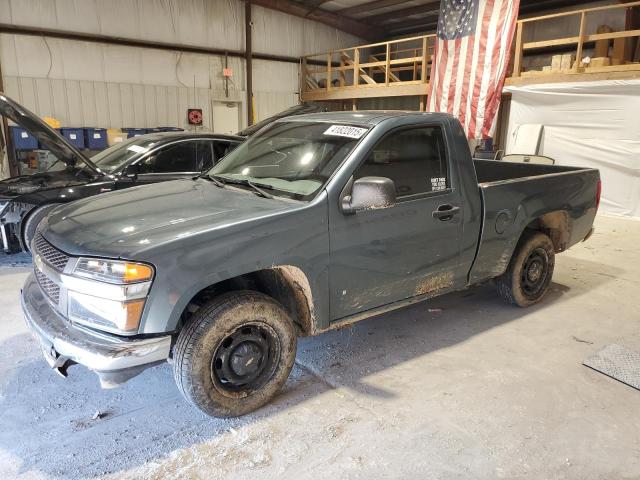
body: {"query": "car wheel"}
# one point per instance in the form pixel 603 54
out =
pixel 234 354
pixel 529 274
pixel 30 225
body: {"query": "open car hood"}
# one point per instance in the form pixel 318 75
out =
pixel 46 135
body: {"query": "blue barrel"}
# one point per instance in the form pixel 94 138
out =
pixel 95 138
pixel 134 132
pixel 22 139
pixel 75 136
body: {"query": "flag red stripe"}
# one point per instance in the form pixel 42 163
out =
pixel 442 68
pixel 454 73
pixel 497 77
pixel 479 74
pixel 467 81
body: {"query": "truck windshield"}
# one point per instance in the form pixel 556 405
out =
pixel 293 159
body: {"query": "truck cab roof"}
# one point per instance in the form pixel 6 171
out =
pixel 369 118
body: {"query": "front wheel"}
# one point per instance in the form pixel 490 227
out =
pixel 235 354
pixel 529 274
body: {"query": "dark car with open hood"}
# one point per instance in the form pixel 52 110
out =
pixel 25 200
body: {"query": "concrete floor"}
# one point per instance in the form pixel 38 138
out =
pixel 461 387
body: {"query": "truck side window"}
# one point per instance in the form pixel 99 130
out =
pixel 414 158
pixel 179 157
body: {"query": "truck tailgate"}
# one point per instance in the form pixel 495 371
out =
pixel 563 196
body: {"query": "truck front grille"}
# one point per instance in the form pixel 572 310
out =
pixel 49 253
pixel 48 286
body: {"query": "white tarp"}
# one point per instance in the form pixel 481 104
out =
pixel 590 124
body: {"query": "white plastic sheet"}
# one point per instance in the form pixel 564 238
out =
pixel 590 124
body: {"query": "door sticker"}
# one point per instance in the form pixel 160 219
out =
pixel 345 131
pixel 438 184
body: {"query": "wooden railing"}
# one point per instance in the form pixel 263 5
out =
pixel 578 41
pixel 400 67
pixel 403 67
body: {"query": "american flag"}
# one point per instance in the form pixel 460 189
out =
pixel 470 61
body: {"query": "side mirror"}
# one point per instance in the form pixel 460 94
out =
pixel 370 193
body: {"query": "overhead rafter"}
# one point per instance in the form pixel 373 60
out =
pixel 422 25
pixel 368 7
pixel 313 4
pixel 340 22
pixel 432 8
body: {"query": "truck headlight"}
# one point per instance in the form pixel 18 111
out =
pixel 108 295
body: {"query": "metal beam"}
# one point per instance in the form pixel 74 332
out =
pixel 332 19
pixel 419 24
pixel 427 9
pixel 368 7
pixel 129 42
pixel 248 60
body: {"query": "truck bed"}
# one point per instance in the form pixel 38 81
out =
pixel 514 195
pixel 488 171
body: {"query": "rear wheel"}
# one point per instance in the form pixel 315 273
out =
pixel 235 354
pixel 30 224
pixel 529 274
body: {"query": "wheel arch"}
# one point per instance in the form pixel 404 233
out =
pixel 287 284
pixel 555 225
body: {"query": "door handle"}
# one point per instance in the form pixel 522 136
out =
pixel 446 212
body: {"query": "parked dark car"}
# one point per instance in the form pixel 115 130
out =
pixel 25 200
pixel 314 223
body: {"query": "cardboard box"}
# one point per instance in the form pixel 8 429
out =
pixel 600 62
pixel 566 61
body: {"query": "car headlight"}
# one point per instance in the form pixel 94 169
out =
pixel 108 294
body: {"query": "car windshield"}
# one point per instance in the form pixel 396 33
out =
pixel 293 159
pixel 110 159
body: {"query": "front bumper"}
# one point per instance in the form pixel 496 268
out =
pixel 115 360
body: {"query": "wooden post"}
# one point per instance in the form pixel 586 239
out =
pixel 517 63
pixel 576 66
pixel 356 67
pixel 425 54
pixel 354 104
pixel 329 68
pixel 388 66
pixel 341 76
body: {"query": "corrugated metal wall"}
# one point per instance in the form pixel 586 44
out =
pixel 84 84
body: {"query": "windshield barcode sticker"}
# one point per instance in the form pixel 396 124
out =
pixel 345 131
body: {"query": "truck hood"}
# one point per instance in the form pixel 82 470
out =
pixel 126 222
pixel 47 136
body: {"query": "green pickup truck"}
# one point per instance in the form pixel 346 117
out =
pixel 315 223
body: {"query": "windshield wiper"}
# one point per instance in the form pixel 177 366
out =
pixel 217 182
pixel 257 187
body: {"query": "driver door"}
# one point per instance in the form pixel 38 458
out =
pixel 381 256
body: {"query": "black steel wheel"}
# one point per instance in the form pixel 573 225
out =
pixel 530 270
pixel 246 359
pixel 235 353
pixel 534 272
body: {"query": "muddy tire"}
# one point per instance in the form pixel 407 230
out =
pixel 529 274
pixel 31 222
pixel 235 354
